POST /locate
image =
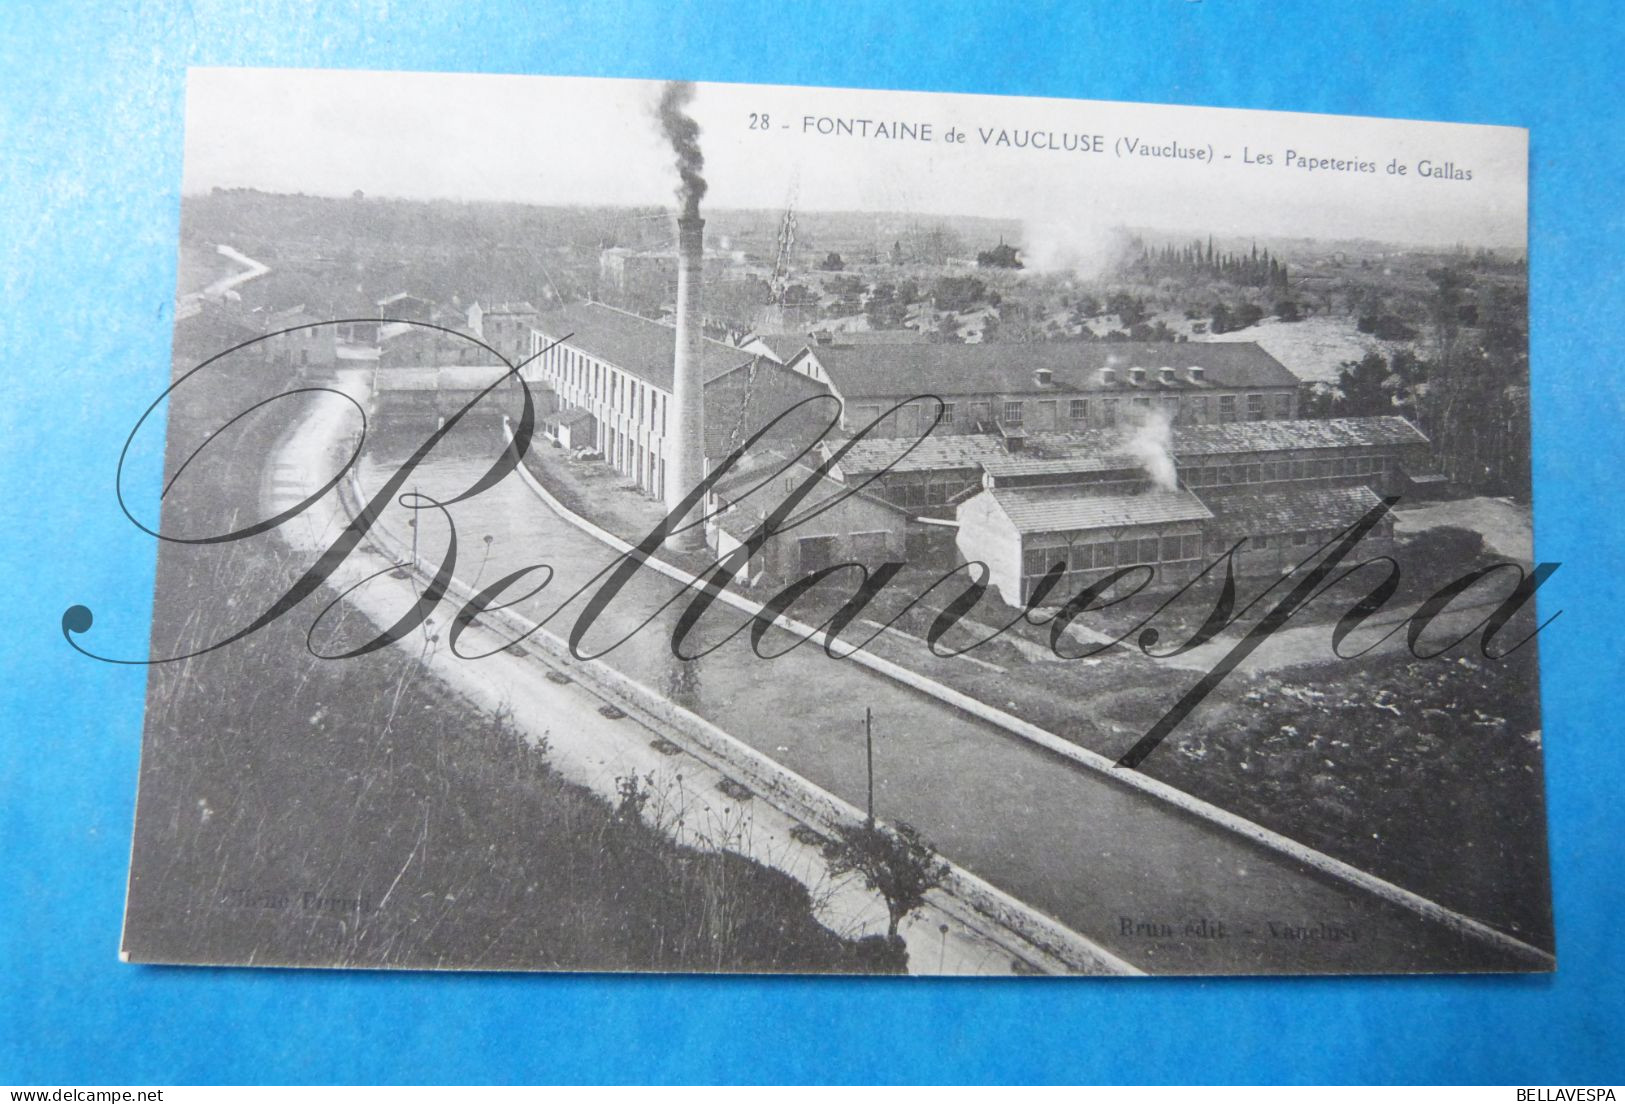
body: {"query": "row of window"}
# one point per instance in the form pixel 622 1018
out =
pixel 622 394
pixel 925 490
pixel 1266 541
pixel 1098 555
pixel 630 458
pixel 1274 471
pixel 1093 555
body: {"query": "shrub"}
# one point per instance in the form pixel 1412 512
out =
pixel 897 862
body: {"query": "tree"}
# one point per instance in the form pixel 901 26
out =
pixel 1319 401
pixel 1128 308
pixel 1364 387
pixel 1246 314
pixel 1000 256
pixel 1506 328
pixel 1387 327
pixel 958 293
pixel 799 295
pixel 833 262
pixel 895 861
pixel 1475 403
pixel 937 244
pixel 883 310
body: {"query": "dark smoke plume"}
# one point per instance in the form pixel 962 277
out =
pixel 684 135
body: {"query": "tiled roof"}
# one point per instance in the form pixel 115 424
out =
pixel 1307 509
pixel 1060 465
pixel 870 370
pixel 750 469
pixel 1387 431
pixel 634 344
pixel 732 416
pixel 1061 509
pixel 1088 450
pixel 948 452
pixel 784 346
pixel 768 475
pixel 1303 433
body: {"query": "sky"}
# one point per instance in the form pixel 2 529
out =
pixel 564 140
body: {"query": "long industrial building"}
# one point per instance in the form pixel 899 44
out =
pixel 1036 460
pixel 1281 488
pixel 1048 387
pixel 618 368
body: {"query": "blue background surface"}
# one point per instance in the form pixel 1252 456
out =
pixel 90 163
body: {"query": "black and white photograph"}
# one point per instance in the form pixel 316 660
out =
pixel 620 525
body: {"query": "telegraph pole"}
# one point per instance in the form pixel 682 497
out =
pixel 869 746
pixel 414 527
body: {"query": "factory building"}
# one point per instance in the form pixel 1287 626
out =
pixel 505 327
pixel 1281 488
pixel 833 523
pixel 630 270
pixel 1019 389
pixel 1036 461
pixel 296 339
pixel 1020 530
pixel 405 346
pixel 1092 455
pixel 618 367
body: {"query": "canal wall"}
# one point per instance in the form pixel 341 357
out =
pixel 1015 927
pixel 1318 861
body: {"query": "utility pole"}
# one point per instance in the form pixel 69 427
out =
pixel 414 527
pixel 869 746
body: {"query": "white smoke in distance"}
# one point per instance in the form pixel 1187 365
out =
pixel 1150 440
pixel 1076 247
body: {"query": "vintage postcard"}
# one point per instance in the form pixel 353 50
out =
pixel 623 525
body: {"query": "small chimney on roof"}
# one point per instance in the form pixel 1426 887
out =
pixel 1043 377
pixel 1167 375
pixel 1197 373
pixel 1136 375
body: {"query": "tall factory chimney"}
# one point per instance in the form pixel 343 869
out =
pixel 686 459
pixel 687 465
